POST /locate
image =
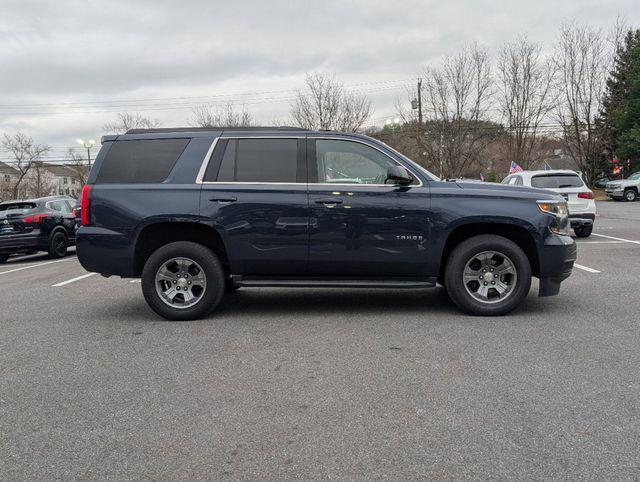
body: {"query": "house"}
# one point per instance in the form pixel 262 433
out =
pixel 8 176
pixel 48 178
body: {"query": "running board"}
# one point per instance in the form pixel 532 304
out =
pixel 332 283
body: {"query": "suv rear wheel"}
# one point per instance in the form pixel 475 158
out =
pixel 583 231
pixel 58 245
pixel 183 281
pixel 488 275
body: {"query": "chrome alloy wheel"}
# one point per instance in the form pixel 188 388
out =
pixel 180 282
pixel 489 277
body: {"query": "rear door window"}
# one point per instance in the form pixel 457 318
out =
pixel 556 181
pixel 144 160
pixel 60 206
pixel 260 160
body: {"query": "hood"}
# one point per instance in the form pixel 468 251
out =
pixel 510 191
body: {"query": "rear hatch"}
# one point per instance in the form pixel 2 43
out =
pixel 566 184
pixel 12 217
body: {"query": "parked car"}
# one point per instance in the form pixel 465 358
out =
pixel 44 224
pixel 580 199
pixel 195 212
pixel 624 189
pixel 602 180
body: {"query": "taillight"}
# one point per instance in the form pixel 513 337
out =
pixel 585 195
pixel 85 205
pixel 36 219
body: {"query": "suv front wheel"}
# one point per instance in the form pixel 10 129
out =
pixel 488 275
pixel 183 281
pixel 630 195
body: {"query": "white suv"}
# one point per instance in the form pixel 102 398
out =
pixel 580 199
pixel 626 189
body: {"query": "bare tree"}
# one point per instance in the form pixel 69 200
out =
pixel 457 96
pixel 526 96
pixel 326 104
pixel 128 120
pixel 25 153
pixel 79 164
pixel 582 59
pixel 38 181
pixel 220 116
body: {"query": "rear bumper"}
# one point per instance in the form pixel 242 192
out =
pixel 104 251
pixel 582 219
pixel 18 243
pixel 556 263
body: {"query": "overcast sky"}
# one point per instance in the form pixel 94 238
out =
pixel 75 64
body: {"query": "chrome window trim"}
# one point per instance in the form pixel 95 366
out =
pixel 205 161
pixel 209 154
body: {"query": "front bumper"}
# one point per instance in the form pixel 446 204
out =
pixel 556 263
pixel 616 193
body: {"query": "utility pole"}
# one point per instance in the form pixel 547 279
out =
pixel 420 101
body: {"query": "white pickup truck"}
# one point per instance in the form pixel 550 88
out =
pixel 626 189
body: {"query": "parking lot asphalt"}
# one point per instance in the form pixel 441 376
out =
pixel 331 384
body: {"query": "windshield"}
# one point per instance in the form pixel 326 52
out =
pixel 556 181
pixel 634 176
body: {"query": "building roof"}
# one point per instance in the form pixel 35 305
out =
pixel 59 170
pixel 7 169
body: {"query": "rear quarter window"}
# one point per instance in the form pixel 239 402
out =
pixel 556 181
pixel 137 161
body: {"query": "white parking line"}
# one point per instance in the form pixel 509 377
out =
pixel 135 281
pixel 35 265
pixel 586 268
pixel 72 280
pixel 617 239
pixel 582 243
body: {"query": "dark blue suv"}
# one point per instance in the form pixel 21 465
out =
pixel 197 212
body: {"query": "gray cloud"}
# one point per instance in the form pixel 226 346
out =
pixel 86 50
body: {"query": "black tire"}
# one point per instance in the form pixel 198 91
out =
pixel 58 245
pixel 630 195
pixel 213 271
pixel 4 258
pixel 471 247
pixel 583 231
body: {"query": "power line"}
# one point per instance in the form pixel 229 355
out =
pixel 157 99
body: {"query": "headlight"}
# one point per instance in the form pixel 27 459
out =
pixel 560 213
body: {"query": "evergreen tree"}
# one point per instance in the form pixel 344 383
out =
pixel 620 119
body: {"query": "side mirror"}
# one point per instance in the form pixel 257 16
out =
pixel 399 175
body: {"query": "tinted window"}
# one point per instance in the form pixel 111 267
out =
pixel 345 162
pixel 17 206
pixel 60 206
pixel 556 181
pixel 148 160
pixel 259 160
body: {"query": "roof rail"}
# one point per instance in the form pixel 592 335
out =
pixel 205 129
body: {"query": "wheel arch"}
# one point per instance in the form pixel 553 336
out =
pixel 153 236
pixel 517 233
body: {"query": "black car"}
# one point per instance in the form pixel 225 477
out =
pixel 197 212
pixel 44 224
